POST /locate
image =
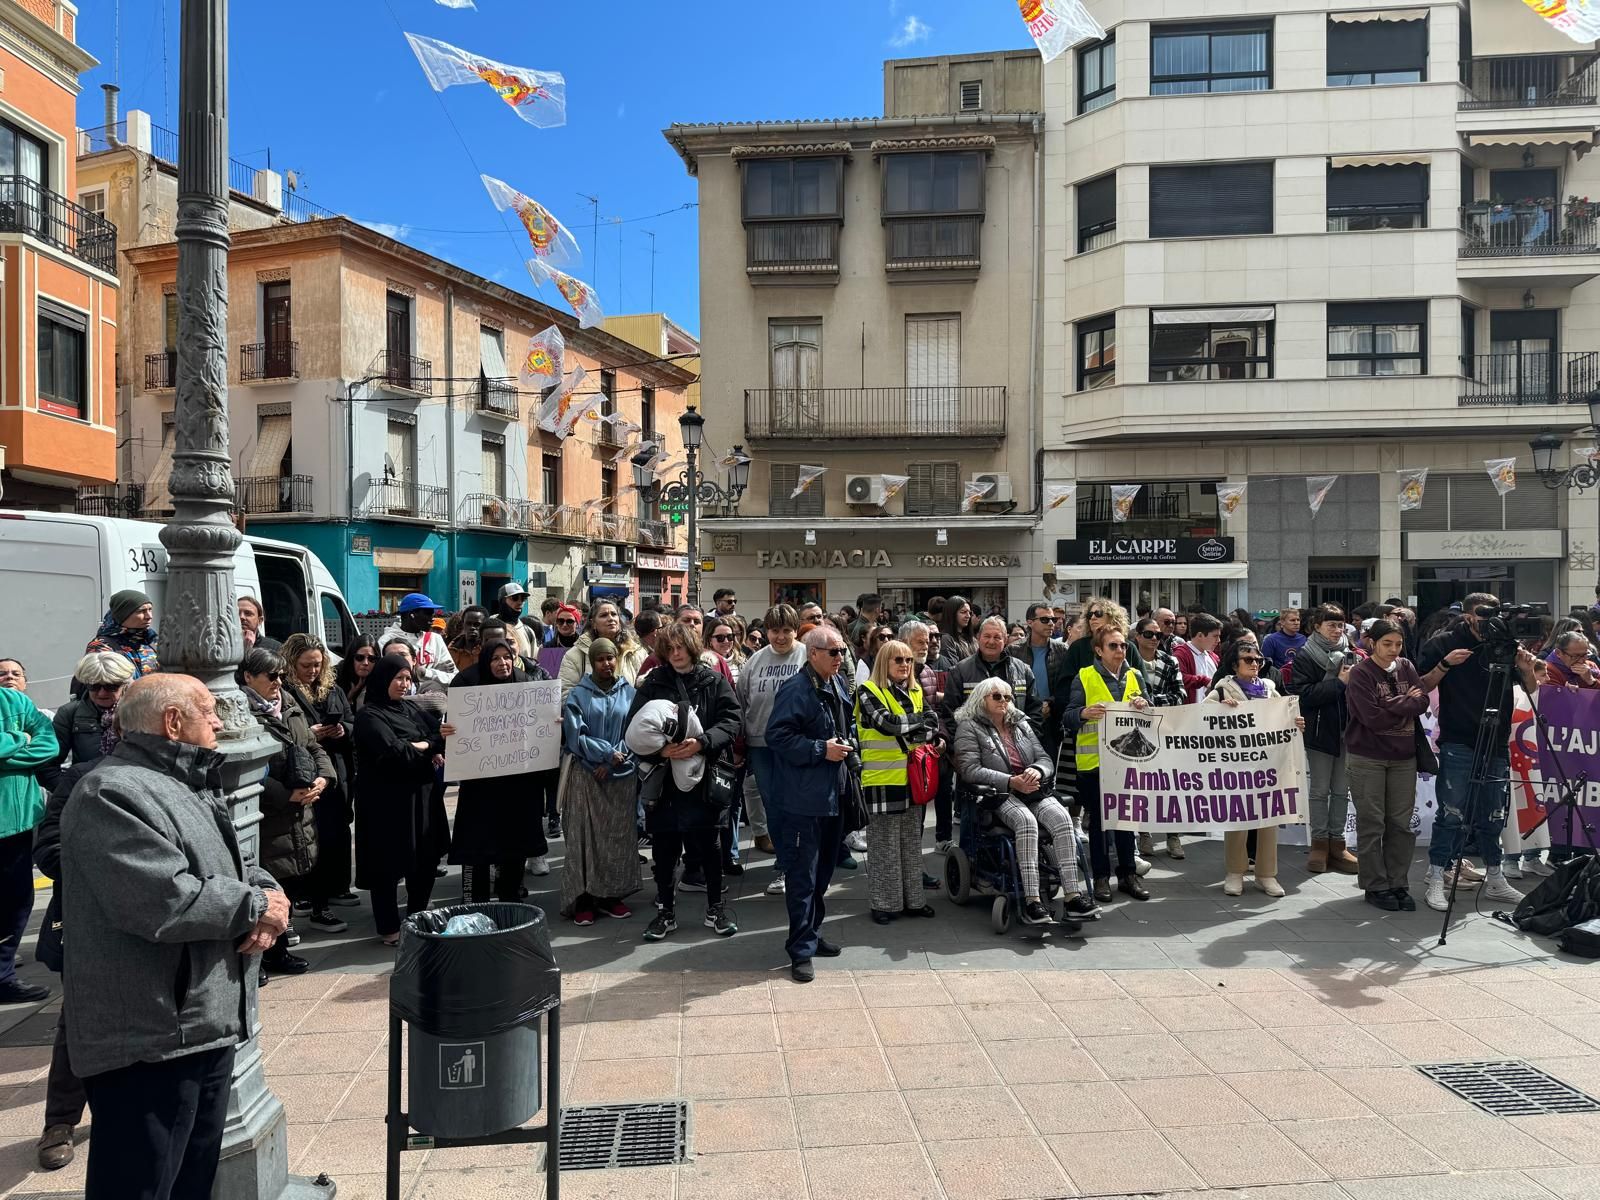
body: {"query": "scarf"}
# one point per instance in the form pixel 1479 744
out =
pixel 108 731
pixel 260 704
pixel 1321 651
pixel 1255 688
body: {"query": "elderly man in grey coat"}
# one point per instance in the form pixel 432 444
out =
pixel 163 916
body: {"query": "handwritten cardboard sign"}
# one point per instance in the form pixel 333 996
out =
pixel 503 729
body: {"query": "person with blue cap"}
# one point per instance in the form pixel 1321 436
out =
pixel 417 612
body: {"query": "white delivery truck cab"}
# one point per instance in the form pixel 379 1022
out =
pixel 58 569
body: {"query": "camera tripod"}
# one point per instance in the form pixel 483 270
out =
pixel 1478 780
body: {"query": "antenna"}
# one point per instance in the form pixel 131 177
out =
pixel 650 233
pixel 594 239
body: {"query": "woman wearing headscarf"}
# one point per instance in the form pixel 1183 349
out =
pixel 128 629
pixel 599 797
pixel 496 827
pixel 398 832
pixel 1318 673
pixel 333 722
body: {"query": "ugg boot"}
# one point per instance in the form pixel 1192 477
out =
pixel 1317 860
pixel 1340 859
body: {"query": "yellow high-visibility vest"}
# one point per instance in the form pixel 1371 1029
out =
pixel 883 762
pixel 1095 691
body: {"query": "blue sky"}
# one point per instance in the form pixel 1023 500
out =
pixel 334 91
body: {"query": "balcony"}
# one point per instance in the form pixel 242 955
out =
pixel 932 243
pixel 270 494
pixel 792 248
pixel 1532 81
pixel 269 360
pixel 402 498
pixel 614 527
pixel 875 414
pixel 657 535
pixel 494 512
pixel 1529 243
pixel 1569 377
pixel 26 207
pixel 161 371
pixel 558 521
pixel 403 372
pixel 497 398
pixel 111 500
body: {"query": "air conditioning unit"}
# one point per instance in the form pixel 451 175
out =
pixel 864 489
pixel 1000 493
pixel 605 553
pixel 630 554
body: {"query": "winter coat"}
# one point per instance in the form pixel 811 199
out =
pixel 712 698
pixel 78 730
pixel 575 663
pixel 137 646
pixel 289 830
pixel 158 897
pixel 495 816
pixel 397 823
pixel 1321 703
pixel 973 670
pixel 27 744
pixel 981 757
pixel 333 708
pixel 592 721
pixel 1228 688
pixel 808 713
pixel 1059 676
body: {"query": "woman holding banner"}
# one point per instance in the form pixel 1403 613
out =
pixel 496 825
pixel 599 797
pixel 1239 680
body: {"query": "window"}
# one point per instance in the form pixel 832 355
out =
pixel 1216 200
pixel 785 477
pixel 1469 341
pixel 1097 75
pixel 1379 197
pixel 25 155
pixel 277 331
pixel 63 361
pixel 796 348
pixel 777 189
pixel 397 325
pixel 608 400
pixel 608 489
pixel 1377 339
pixel 1197 344
pixel 933 374
pixel 400 457
pixel 1097 212
pixel 1369 52
pixel 971 95
pixel 492 353
pixel 934 489
pixel 1097 353
pixel 550 478
pixel 94 201
pixel 933 206
pixel 1186 59
pixel 647 410
pixel 494 465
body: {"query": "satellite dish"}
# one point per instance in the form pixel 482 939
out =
pixel 292 178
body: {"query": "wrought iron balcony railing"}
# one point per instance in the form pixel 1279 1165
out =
pixel 406 372
pixel 273 494
pixel 1539 377
pixel 28 207
pixel 402 498
pixel 800 247
pixel 912 243
pixel 1541 227
pixel 655 534
pixel 160 371
pixel 269 360
pixel 857 414
pixel 498 398
pixel 1532 81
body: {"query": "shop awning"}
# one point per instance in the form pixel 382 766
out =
pixel 409 562
pixel 1236 570
pixel 272 442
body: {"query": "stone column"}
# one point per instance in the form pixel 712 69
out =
pixel 200 625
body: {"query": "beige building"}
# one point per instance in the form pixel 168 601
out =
pixel 868 306
pixel 1348 240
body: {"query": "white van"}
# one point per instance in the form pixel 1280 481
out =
pixel 58 569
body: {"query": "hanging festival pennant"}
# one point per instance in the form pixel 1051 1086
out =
pixel 893 485
pixel 1057 494
pixel 973 491
pixel 1058 25
pixel 806 477
pixel 1122 495
pixel 538 97
pixel 626 452
pixel 552 240
pixel 1229 497
pixel 456 3
pixel 1412 484
pixel 545 360
pixel 620 425
pixel 1317 489
pixel 1502 473
pixel 1588 455
pixel 1578 19
pixel 574 291
pixel 562 410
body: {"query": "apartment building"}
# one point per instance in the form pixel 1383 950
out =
pixel 868 306
pixel 1350 240
pixel 58 283
pixel 376 417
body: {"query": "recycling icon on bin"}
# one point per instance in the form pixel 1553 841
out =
pixel 461 1065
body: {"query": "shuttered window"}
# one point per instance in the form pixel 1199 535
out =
pixel 494 465
pixel 400 461
pixel 1097 212
pixel 784 478
pixel 1369 52
pixel 1378 197
pixel 1468 501
pixel 934 489
pixel 1213 200
pixel 933 374
pixel 492 352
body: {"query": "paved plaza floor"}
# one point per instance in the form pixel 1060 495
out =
pixel 1192 1043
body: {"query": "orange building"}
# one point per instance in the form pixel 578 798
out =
pixel 58 283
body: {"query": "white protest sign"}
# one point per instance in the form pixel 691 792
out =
pixel 1202 766
pixel 503 729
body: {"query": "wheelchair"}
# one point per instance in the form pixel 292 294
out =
pixel 983 860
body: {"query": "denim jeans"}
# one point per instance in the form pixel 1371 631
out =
pixel 1459 800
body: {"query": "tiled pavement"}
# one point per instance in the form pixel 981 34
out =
pixel 1190 1044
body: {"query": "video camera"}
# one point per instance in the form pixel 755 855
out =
pixel 1503 627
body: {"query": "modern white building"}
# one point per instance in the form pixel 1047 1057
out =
pixel 1348 240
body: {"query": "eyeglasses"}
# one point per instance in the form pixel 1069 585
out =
pixel 833 651
pixel 902 659
pixel 1115 645
pixel 565 621
pixel 366 658
pixel 104 687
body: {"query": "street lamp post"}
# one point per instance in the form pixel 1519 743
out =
pixel 1546 445
pixel 692 488
pixel 200 623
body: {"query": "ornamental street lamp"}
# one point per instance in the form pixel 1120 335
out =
pixel 1546 445
pixel 691 488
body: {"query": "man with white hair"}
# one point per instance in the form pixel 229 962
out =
pixel 164 917
pixel 811 735
pixel 990 661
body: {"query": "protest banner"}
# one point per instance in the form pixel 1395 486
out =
pixel 1202 766
pixel 503 729
pixel 1567 748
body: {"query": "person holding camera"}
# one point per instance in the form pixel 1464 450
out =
pixel 1472 811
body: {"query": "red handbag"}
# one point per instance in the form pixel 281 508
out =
pixel 922 774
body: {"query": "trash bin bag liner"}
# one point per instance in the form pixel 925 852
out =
pixel 474 985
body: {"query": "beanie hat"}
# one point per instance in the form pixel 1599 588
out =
pixel 125 603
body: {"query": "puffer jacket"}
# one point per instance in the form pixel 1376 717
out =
pixel 78 731
pixel 981 756
pixel 712 698
pixel 289 830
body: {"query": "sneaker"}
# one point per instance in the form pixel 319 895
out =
pixel 1081 908
pixel 1434 897
pixel 346 900
pixel 284 964
pixel 301 908
pixel 552 827
pixel 1405 900
pixel 720 923
pixel 664 924
pixel 1034 913
pixel 539 864
pixel 291 936
pixel 1387 901
pixel 1497 888
pixel 1537 866
pixel 943 845
pixel 583 917
pixel 616 909
pixel 857 841
pixel 693 881
pixel 776 887
pixel 1174 847
pixel 929 883
pixel 327 922
pixel 1512 868
pixel 1147 845
pixel 1141 865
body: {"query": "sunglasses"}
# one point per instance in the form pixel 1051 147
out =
pixel 275 676
pixel 834 651
pixel 366 658
pixel 1095 613
pixel 565 621
pixel 1116 645
pixel 1004 696
pixel 722 637
pixel 901 659
pixel 104 687
pixel 1149 633
pixel 1251 658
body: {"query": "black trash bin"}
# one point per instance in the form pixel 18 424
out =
pixel 473 1003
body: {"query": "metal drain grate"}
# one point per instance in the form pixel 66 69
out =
pixel 598 1137
pixel 1510 1089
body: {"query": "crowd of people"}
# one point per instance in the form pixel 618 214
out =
pixel 807 736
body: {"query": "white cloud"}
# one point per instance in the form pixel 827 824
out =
pixel 914 30
pixel 398 232
pixel 622 111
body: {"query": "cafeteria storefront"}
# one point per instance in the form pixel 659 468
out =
pixel 1151 572
pixel 1519 566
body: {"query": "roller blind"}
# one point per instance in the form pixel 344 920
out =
pixel 1396 312
pixel 1377 46
pixel 1215 200
pixel 1097 201
pixel 492 351
pixel 272 442
pixel 1377 187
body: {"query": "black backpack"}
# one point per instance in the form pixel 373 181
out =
pixel 1569 897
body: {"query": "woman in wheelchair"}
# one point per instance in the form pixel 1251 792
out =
pixel 996 748
pixel 892 715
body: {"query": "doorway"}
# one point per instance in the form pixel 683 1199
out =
pixel 1344 586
